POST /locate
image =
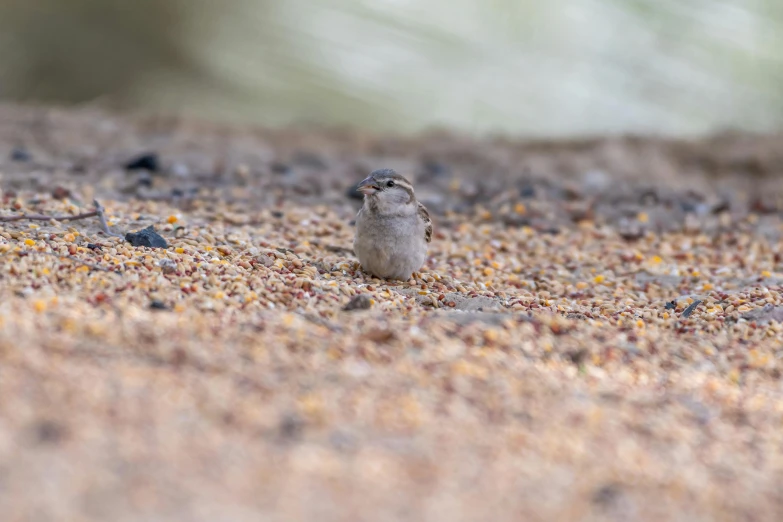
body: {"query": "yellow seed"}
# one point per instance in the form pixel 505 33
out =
pixel 488 272
pixel 33 226
pixel 640 323
pixel 643 217
pixel 520 208
pixel 766 273
pixel 172 219
pixel 311 405
pixel 29 242
pixel 666 315
pixel 208 248
pixel 657 260
pixel 39 306
pixel 707 286
pixel 581 285
pixel 179 250
pixel 179 307
pixel 69 325
pixel 491 335
pixel 220 295
pixel 45 271
pixel 69 238
pixel 599 279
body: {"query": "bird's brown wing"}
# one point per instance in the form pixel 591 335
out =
pixel 425 216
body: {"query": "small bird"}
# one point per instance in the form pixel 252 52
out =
pixel 393 230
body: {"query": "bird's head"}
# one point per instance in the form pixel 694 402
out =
pixel 387 190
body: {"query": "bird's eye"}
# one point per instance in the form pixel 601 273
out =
pixel 389 184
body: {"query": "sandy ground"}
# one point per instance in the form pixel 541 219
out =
pixel 596 334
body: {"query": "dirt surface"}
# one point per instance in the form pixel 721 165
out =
pixel 595 336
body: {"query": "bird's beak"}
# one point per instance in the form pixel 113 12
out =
pixel 368 186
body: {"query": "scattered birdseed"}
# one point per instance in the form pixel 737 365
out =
pixel 565 375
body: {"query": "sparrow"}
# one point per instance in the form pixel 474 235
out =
pixel 393 230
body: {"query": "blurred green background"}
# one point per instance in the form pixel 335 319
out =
pixel 523 67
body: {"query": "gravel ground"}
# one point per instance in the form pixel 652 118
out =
pixel 596 334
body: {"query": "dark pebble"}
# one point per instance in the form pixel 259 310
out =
pixel 632 234
pixel 144 180
pixel 49 432
pixel 280 168
pixel 189 192
pixel 608 495
pixel 548 229
pixel 291 427
pixel 435 169
pixel 723 205
pixel 358 302
pixel 688 311
pixel 527 190
pixel 93 246
pixel 515 220
pixel 148 161
pixel 146 238
pixel 671 305
pixel 20 154
pixel 158 305
pixel 649 198
pixel 577 356
pixel 688 206
pixel 61 193
pixel 277 214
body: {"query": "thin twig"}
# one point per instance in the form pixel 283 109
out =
pixel 101 213
pixel 41 217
